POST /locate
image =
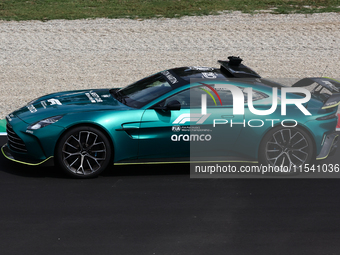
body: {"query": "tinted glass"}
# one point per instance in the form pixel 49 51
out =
pixel 144 91
pixel 192 97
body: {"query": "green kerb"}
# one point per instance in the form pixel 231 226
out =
pixel 2 126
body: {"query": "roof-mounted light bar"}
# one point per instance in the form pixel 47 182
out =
pixel 234 68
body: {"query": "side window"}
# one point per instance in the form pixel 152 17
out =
pixel 183 97
pixel 190 98
pixel 257 95
pixel 226 97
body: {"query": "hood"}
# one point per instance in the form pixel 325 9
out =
pixel 68 102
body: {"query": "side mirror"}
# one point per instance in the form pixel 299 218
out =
pixel 173 105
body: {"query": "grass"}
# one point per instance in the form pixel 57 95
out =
pixel 143 9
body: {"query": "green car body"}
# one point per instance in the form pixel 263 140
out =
pixel 145 133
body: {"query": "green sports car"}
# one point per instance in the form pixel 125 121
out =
pixel 185 114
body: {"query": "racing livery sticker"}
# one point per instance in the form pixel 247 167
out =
pixel 201 68
pixel 91 98
pixel 96 97
pixel 209 75
pixel 53 101
pixel 170 77
pixel 31 108
pixel 43 103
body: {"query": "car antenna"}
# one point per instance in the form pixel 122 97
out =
pixel 324 71
pixel 213 60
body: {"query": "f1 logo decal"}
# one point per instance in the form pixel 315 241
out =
pixel 54 101
pixel 199 118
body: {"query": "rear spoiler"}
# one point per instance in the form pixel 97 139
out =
pixel 331 85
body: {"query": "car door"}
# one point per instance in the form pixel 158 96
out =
pixel 190 132
pixel 157 133
pixel 223 126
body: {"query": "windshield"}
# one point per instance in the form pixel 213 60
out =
pixel 142 92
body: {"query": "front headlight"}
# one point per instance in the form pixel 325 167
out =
pixel 44 122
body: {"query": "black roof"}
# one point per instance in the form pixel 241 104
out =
pixel 231 68
pixel 228 70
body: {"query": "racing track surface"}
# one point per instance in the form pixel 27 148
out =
pixel 160 210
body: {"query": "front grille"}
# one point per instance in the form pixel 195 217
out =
pixel 14 141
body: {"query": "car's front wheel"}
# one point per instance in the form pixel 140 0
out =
pixel 83 152
pixel 290 147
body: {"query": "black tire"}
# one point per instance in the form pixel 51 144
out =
pixel 286 146
pixel 83 152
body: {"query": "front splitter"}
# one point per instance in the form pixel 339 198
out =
pixel 7 153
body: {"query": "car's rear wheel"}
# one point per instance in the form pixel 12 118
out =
pixel 288 147
pixel 83 152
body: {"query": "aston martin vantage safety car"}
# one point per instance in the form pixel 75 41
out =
pixel 179 114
